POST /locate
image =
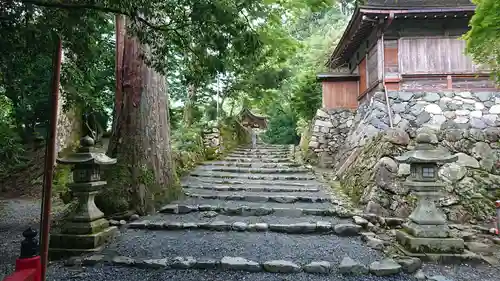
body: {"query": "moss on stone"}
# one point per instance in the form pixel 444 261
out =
pixel 115 196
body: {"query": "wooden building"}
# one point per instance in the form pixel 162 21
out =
pixel 248 119
pixel 402 45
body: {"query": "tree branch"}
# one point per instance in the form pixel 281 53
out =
pixel 68 6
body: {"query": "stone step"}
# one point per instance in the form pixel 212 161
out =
pixel 256 157
pixel 109 265
pixel 266 146
pixel 203 180
pixel 255 188
pixel 249 196
pixel 259 246
pixel 240 208
pixel 262 150
pixel 259 160
pixel 294 177
pixel 315 227
pixel 253 170
pixel 251 165
pixel 261 153
pixel 211 216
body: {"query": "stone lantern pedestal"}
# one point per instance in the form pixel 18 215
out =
pixel 86 230
pixel 427 235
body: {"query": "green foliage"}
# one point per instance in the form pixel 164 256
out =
pixel 483 38
pixel 287 78
pixel 11 148
pixel 28 34
pixel 281 128
pixel 307 95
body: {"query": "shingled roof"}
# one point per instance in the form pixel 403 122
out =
pixel 362 21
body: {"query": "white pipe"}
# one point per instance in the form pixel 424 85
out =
pixel 383 83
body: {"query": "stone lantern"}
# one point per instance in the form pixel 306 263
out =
pixel 85 230
pixel 427 232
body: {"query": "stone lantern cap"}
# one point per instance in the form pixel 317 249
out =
pixel 84 155
pixel 426 151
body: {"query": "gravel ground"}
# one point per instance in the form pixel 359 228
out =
pixel 103 273
pixel 255 246
pixel 16 216
pixel 464 272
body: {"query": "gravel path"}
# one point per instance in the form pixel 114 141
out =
pixel 16 216
pixel 256 246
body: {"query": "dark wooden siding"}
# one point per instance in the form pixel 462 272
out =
pixel 434 55
pixel 340 94
pixel 427 27
pixel 362 76
pixel 372 66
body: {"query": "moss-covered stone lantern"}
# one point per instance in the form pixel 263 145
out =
pixel 86 229
pixel 427 231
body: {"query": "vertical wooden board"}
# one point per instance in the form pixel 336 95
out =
pixel 372 66
pixel 340 94
pixel 380 59
pixel 391 56
pixel 362 76
pixel 434 55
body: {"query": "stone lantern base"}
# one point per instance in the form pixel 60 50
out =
pixel 66 245
pixel 433 249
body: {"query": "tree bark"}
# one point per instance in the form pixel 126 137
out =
pixel 188 107
pixel 141 138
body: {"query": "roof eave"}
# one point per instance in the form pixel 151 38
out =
pixel 357 19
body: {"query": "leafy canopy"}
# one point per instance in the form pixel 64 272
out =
pixel 483 38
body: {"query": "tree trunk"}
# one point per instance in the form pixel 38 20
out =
pixel 188 107
pixel 141 138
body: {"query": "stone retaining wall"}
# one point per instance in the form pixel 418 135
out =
pixel 212 138
pixel 330 129
pixel 468 124
pixel 474 111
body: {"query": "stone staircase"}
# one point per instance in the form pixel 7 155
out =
pixel 255 212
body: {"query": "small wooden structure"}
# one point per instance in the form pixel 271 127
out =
pixel 396 45
pixel 248 119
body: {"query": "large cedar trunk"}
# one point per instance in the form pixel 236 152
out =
pixel 141 136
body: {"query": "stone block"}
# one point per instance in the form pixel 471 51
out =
pixel 430 245
pixel 62 245
pixel 239 263
pixel 281 266
pixel 319 267
pixel 323 123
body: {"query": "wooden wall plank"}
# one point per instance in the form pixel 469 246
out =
pixel 363 82
pixel 340 94
pixel 391 56
pixel 372 65
pixel 434 55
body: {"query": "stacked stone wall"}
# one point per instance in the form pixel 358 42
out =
pixel 474 111
pixel 330 129
pixel 212 138
pixel 468 125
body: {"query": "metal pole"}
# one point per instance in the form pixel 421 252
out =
pixel 497 205
pixel 50 161
pixel 218 93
